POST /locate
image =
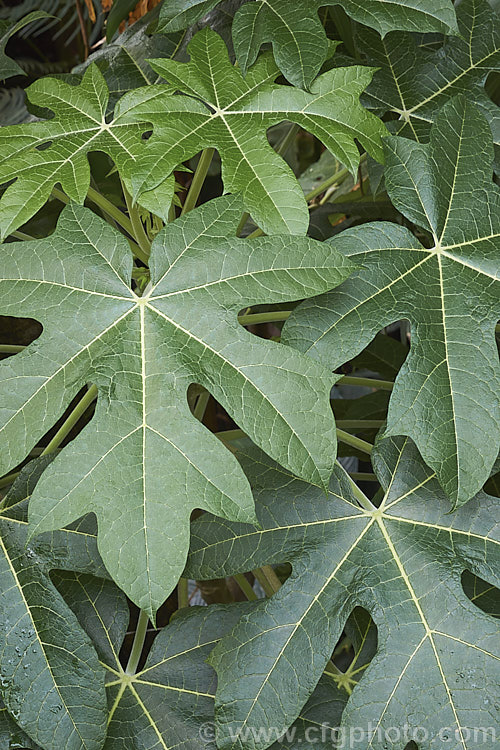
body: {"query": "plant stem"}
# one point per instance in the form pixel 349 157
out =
pixel 358 424
pixel 138 231
pixel 22 236
pixel 355 442
pixel 383 385
pixel 245 586
pixel 138 644
pixel 201 405
pixel 182 593
pixel 70 422
pixel 5 481
pixel 363 476
pixel 198 180
pixel 10 349
pixel 267 579
pixel 270 317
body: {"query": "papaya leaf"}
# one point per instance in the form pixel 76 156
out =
pixel 299 41
pixel 170 701
pixel 51 681
pixel 414 83
pixel 8 66
pixel 219 108
pixel 437 658
pixel 446 396
pixel 40 155
pixel 142 353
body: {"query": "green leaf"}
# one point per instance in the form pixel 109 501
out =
pixel 11 736
pixel 414 83
pixel 224 110
pixel 40 155
pixel 51 681
pixel 170 701
pixel 118 13
pixel 142 354
pixel 299 41
pixel 437 660
pixel 123 62
pixel 8 66
pixel 446 394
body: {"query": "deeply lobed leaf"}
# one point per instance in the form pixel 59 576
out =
pixel 145 462
pixel 293 27
pixel 446 396
pixel 437 656
pixel 222 109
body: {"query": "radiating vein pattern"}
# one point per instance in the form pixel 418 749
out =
pixel 446 396
pixel 145 462
pixel 402 562
pixel 217 107
pixel 296 32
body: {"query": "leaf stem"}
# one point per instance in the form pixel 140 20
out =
pixel 355 442
pixel 198 180
pixel 138 643
pixel 358 424
pixel 72 419
pixel 138 231
pixel 245 586
pixel 383 385
pixel 254 319
pixel 267 579
pixel 9 479
pixel 11 349
pixel 182 593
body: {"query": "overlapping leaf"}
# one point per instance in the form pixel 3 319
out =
pixel 50 677
pixel 170 701
pixel 446 397
pixel 8 66
pixel 231 113
pixel 296 32
pixel 414 83
pixel 437 660
pixel 145 462
pixel 39 155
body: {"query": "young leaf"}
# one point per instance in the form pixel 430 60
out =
pixel 40 155
pixel 231 113
pixel 51 681
pixel 8 66
pixel 142 354
pixel 415 83
pixel 446 394
pixel 438 654
pixel 296 32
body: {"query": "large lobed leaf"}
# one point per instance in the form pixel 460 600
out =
pixel 299 41
pixel 414 83
pixel 51 681
pixel 40 155
pixel 145 462
pixel 437 660
pixel 231 113
pixel 170 701
pixel 446 396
